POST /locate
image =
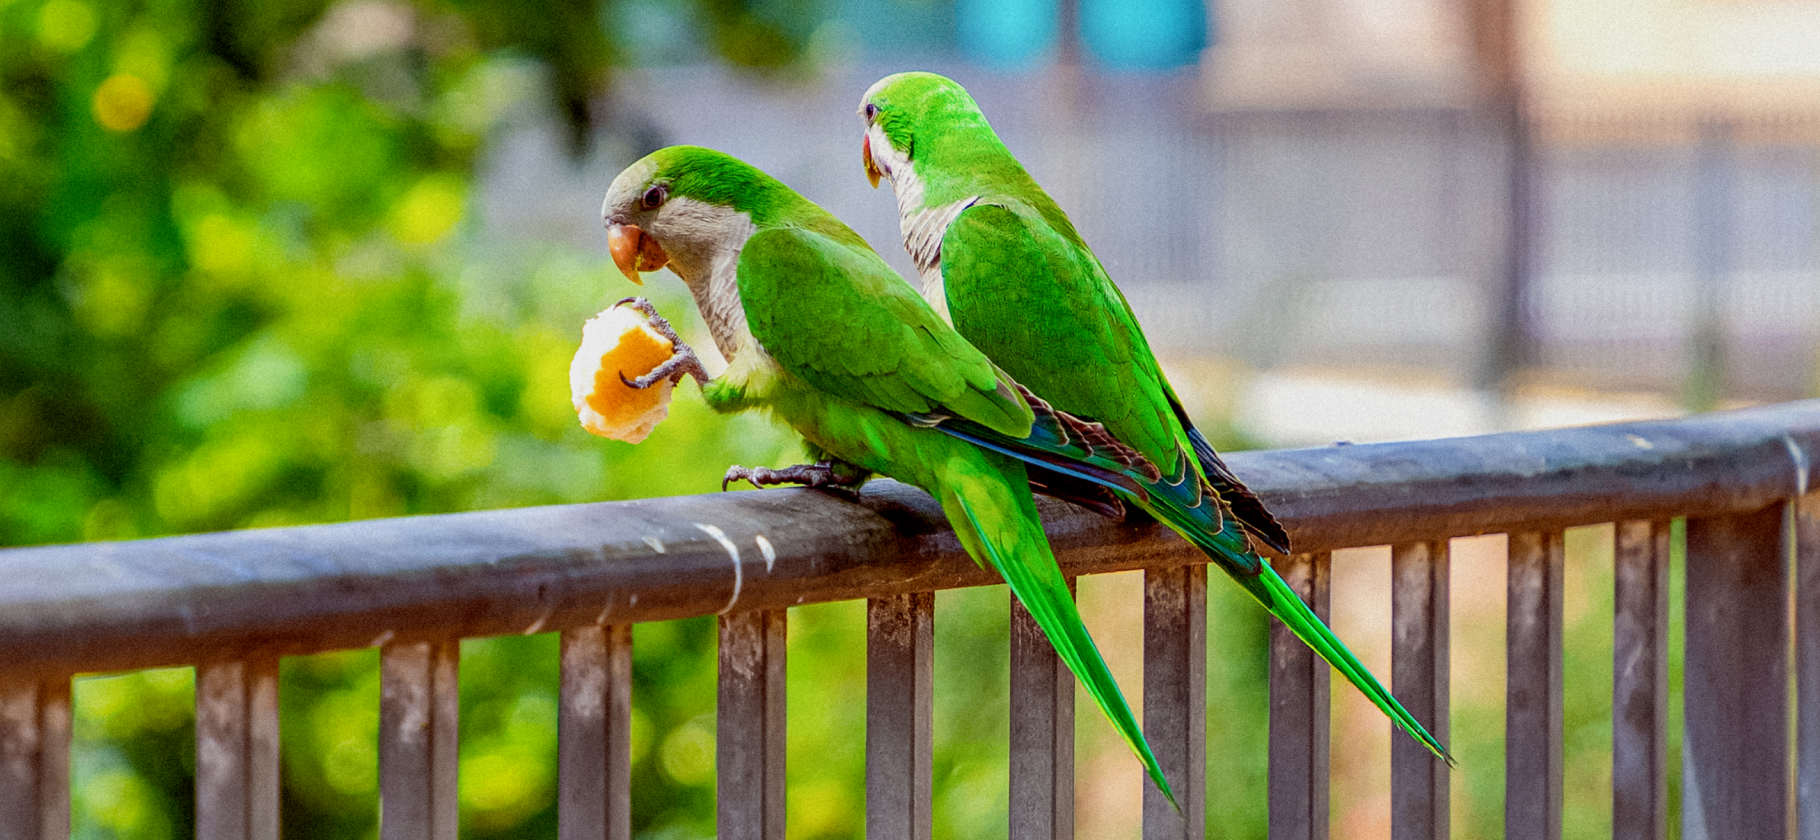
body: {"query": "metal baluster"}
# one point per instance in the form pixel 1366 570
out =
pixel 1175 699
pixel 35 759
pixel 1639 703
pixel 1418 668
pixel 1807 666
pixel 419 709
pixel 1533 688
pixel 1735 746
pixel 1042 734
pixel 594 735
pixel 237 750
pixel 749 748
pixel 1300 687
pixel 900 708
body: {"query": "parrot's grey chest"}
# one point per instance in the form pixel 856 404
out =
pixel 704 242
pixel 923 227
pixel 923 231
pixel 720 305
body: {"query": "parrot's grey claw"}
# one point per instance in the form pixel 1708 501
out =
pixel 657 322
pixel 820 476
pixel 639 303
pixel 682 362
pixel 664 329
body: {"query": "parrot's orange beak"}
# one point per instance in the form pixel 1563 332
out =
pixel 872 173
pixel 634 252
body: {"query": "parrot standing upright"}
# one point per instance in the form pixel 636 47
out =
pixel 821 332
pixel 1002 262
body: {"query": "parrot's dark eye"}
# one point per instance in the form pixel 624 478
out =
pixel 653 197
pixel 871 112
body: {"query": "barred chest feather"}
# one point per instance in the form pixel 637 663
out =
pixel 923 231
pixel 704 243
pixel 720 306
pixel 923 226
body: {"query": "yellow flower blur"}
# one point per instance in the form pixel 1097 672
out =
pixel 123 102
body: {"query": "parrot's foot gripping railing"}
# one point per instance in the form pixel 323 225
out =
pixel 233 603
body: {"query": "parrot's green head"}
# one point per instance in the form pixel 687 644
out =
pixel 685 206
pixel 903 106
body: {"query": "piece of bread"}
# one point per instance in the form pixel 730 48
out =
pixel 619 341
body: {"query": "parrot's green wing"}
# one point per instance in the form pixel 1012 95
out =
pixel 996 253
pixel 1011 280
pixel 838 317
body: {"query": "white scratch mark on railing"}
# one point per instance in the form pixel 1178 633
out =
pixel 1800 457
pixel 732 551
pixel 764 547
pixel 656 544
pixel 382 638
pixel 1693 804
pixel 606 608
pixel 538 624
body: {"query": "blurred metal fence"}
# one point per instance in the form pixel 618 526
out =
pixel 1368 235
pixel 233 603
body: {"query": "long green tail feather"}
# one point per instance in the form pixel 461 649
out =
pixel 1028 567
pixel 1231 551
pixel 1222 540
pixel 1274 593
pixel 1271 590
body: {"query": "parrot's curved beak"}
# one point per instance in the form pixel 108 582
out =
pixel 634 252
pixel 872 173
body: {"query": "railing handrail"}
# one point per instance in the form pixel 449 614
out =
pixel 287 591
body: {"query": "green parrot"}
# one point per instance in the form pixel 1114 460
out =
pixel 821 332
pixel 1000 260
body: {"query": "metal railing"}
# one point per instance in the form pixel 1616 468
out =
pixel 233 603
